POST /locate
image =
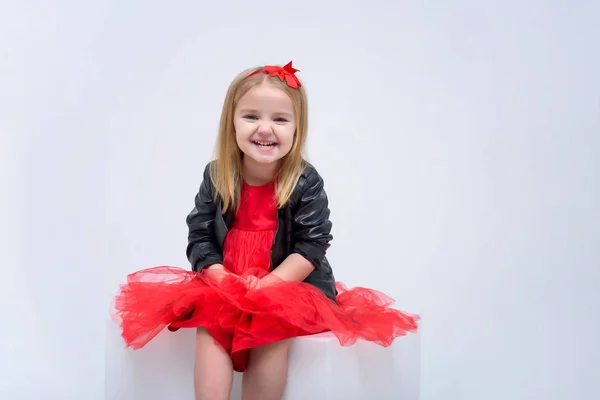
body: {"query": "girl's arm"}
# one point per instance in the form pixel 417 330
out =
pixel 293 268
pixel 311 230
pixel 202 250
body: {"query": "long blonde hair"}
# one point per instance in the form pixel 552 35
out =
pixel 226 172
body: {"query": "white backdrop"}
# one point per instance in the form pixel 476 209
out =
pixel 459 142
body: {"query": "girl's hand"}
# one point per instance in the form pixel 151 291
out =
pixel 217 272
pixel 265 281
pixel 253 283
pixel 216 266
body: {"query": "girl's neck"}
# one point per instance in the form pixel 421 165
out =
pixel 256 174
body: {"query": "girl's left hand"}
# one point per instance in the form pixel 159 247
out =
pixel 254 283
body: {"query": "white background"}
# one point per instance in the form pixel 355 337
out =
pixel 458 140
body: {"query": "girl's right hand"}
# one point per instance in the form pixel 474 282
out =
pixel 216 272
pixel 216 266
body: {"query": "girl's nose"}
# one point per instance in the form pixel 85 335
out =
pixel 265 128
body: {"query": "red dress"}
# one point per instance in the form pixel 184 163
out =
pixel 240 316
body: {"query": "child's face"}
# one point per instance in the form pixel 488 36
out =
pixel 264 124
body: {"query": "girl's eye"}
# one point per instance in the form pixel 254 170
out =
pixel 280 120
pixel 250 116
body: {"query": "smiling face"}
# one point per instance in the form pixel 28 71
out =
pixel 264 124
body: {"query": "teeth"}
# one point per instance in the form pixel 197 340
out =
pixel 261 143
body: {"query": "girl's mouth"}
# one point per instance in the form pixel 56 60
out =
pixel 264 144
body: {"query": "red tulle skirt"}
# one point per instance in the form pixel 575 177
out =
pixel 240 316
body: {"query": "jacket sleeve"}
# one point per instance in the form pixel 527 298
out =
pixel 202 249
pixel 311 224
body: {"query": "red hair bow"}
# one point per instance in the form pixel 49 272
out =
pixel 286 73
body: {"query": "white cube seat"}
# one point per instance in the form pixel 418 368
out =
pixel 319 368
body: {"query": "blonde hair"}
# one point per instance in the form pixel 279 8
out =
pixel 226 171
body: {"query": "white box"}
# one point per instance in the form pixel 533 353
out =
pixel 319 368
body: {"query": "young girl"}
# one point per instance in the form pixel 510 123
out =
pixel 257 241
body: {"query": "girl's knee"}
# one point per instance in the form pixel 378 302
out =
pixel 213 370
pixel 203 338
pixel 275 350
pixel 200 331
pixel 279 346
pixel 205 343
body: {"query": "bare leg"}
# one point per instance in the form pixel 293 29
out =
pixel 266 375
pixel 213 371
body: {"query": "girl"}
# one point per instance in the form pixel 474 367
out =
pixel 257 241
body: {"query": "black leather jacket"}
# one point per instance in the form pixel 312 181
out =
pixel 303 227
